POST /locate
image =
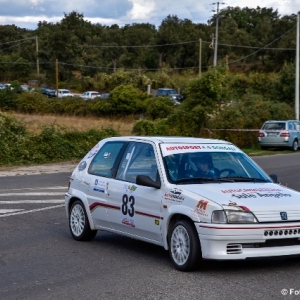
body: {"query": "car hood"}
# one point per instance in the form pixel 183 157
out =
pixel 176 95
pixel 266 200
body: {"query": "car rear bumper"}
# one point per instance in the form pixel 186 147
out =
pixel 277 144
pixel 236 242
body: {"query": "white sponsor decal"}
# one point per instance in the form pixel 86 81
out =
pixel 168 149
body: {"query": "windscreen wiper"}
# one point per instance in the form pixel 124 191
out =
pixel 243 178
pixel 204 179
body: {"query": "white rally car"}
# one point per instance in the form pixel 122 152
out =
pixel 154 189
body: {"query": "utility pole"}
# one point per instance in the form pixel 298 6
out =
pixel 297 72
pixel 56 76
pixel 200 54
pixel 217 32
pixel 37 57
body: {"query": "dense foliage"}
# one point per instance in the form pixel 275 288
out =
pixel 53 144
pixel 215 101
pixel 255 38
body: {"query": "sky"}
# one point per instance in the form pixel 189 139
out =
pixel 27 14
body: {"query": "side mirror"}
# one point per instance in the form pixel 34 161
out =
pixel 274 178
pixel 147 181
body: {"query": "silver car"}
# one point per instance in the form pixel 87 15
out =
pixel 280 134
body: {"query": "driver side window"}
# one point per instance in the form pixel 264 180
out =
pixel 138 159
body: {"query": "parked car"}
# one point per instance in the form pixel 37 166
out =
pixel 8 86
pixel 50 93
pixel 62 93
pixel 90 95
pixel 280 134
pixel 24 87
pixel 170 93
pixel 105 96
pixel 198 198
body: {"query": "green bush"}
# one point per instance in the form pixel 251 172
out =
pixel 126 100
pixel 143 127
pixel 248 113
pixel 8 99
pixel 53 144
pixel 159 107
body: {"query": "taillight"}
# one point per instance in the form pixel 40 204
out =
pixel 284 134
pixel 261 134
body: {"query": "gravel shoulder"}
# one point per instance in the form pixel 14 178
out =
pixel 38 169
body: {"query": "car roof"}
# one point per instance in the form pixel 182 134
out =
pixel 281 121
pixel 170 139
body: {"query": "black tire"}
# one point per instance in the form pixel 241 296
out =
pixel 295 145
pixel 264 148
pixel 184 246
pixel 79 223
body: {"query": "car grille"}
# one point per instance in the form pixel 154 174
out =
pixel 234 249
pixel 282 232
pixel 238 248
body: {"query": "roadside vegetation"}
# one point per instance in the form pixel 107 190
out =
pixel 249 101
pixel 230 101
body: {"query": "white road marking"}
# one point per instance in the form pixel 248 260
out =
pixel 32 201
pixel 33 194
pixel 5 211
pixel 29 211
pixel 42 188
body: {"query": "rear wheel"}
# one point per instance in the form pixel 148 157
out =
pixel 79 223
pixel 295 145
pixel 184 246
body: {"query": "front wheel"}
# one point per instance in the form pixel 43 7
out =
pixel 295 145
pixel 184 246
pixel 79 223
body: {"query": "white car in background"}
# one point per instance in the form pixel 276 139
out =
pixel 62 93
pixel 198 198
pixel 90 95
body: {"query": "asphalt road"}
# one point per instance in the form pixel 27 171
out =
pixel 40 260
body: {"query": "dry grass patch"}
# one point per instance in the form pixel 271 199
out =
pixel 35 123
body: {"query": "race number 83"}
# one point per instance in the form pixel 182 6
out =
pixel 128 205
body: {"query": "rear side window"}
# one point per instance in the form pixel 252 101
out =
pixel 105 160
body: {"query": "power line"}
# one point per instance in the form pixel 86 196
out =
pixel 263 48
pixel 13 46
pixel 185 68
pixel 142 46
pixel 17 41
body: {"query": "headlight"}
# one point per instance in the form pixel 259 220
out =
pixel 232 216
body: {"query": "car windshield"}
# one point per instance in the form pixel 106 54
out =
pixel 171 92
pixel 274 126
pixel 65 92
pixel 212 167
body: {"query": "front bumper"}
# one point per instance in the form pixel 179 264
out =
pixel 67 201
pixel 242 241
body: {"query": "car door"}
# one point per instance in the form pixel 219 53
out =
pixel 297 127
pixel 99 172
pixel 136 209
